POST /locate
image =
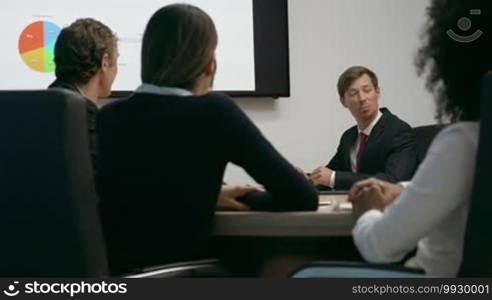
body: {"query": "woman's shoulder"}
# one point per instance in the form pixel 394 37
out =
pixel 458 137
pixel 463 130
pixel 219 103
pixel 218 99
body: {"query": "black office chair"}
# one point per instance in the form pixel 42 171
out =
pixel 48 213
pixel 49 220
pixel 424 135
pixel 477 252
pixel 190 269
pixel 477 256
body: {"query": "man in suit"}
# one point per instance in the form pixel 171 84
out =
pixel 380 145
pixel 86 58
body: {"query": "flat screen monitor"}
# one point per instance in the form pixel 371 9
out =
pixel 252 55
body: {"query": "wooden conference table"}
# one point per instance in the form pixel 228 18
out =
pixel 333 219
pixel 247 241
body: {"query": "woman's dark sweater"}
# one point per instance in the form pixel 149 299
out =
pixel 162 161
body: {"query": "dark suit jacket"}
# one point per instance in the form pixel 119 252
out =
pixel 389 154
pixel 91 121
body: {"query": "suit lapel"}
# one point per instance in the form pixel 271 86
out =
pixel 347 147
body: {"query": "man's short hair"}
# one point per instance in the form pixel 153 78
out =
pixel 178 43
pixel 351 75
pixel 80 48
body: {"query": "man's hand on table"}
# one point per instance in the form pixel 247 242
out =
pixel 321 176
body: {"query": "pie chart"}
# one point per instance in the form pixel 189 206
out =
pixel 37 46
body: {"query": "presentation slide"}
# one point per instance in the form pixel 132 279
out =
pixel 31 27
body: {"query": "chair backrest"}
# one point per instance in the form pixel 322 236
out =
pixel 424 135
pixel 49 221
pixel 477 253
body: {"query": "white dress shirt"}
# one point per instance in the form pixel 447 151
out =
pixel 432 210
pixel 355 148
pixel 147 88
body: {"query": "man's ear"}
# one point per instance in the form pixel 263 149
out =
pixel 343 101
pixel 105 62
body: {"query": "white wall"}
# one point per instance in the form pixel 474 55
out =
pixel 326 37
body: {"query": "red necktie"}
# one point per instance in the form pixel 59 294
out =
pixel 362 146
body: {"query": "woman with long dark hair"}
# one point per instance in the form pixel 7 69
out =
pixel 165 148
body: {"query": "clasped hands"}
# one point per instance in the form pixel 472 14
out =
pixel 319 177
pixel 371 194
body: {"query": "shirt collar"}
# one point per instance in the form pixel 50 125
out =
pixel 162 90
pixel 369 128
pixel 80 90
